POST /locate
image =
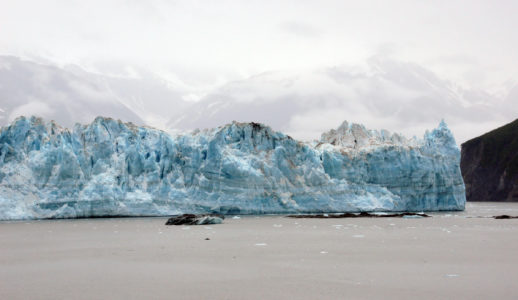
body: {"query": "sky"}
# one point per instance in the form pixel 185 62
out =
pixel 199 49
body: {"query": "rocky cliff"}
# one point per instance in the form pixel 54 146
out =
pixel 490 165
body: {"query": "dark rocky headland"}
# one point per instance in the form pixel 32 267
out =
pixel 489 165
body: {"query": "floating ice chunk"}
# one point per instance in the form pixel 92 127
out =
pixel 261 244
pixel 412 217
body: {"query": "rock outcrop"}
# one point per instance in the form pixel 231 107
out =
pixel 190 219
pixel 490 165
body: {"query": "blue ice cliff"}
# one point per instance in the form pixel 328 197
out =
pixel 110 168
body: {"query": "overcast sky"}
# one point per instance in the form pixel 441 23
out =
pixel 197 47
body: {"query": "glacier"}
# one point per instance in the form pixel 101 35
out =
pixel 111 168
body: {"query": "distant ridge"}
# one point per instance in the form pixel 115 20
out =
pixel 489 165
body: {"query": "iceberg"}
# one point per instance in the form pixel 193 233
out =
pixel 111 168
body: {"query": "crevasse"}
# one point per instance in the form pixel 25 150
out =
pixel 111 168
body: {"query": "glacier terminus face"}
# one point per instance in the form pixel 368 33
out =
pixel 111 168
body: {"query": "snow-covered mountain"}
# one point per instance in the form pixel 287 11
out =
pixel 404 97
pixel 69 95
pixel 382 93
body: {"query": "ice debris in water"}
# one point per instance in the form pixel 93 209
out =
pixel 191 219
pixel 111 168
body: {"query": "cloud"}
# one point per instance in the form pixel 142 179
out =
pixel 33 108
pixel 455 59
pixel 53 93
pixel 300 29
pixel 381 93
pixel 399 96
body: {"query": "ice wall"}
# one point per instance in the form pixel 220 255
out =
pixel 110 168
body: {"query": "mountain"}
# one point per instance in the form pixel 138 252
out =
pixel 111 168
pixel 382 93
pixel 70 95
pixel 489 165
pixel 405 97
